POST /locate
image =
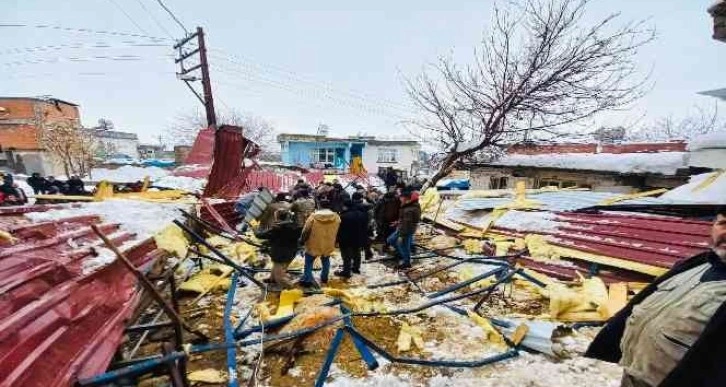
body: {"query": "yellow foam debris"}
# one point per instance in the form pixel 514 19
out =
pixel 172 240
pixel 210 279
pixel 75 198
pixel 288 298
pixel 467 273
pixel 621 198
pixel 564 300
pixel 409 335
pixel 104 190
pixel 442 242
pixel 520 333
pixel 594 290
pixel 490 333
pixel 539 248
pixel 503 246
pixel 209 376
pixel 356 302
pixel 6 236
pixel 473 246
pixel 617 299
pixel 580 317
pixel 430 201
pixel 520 201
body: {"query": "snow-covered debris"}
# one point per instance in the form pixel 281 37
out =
pixel 708 141
pixel 704 188
pixel 140 218
pixel 528 221
pixel 102 258
pixel 664 162
pixel 128 174
pixel 183 183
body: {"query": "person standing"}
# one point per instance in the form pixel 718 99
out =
pixel 402 238
pixel 318 236
pixel 387 213
pixel 283 236
pixel 302 207
pixel 672 333
pixel 352 236
pixel 38 183
pixel 267 219
pixel 338 197
pixel 363 205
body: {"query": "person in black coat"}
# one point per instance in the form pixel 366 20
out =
pixel 338 196
pixel 38 183
pixel 352 236
pixel 690 357
pixel 283 237
pixel 362 204
pixel 76 186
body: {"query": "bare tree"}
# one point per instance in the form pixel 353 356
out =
pixel 72 146
pixel 185 127
pixel 538 68
pixel 698 122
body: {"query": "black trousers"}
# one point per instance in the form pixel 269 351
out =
pixel 351 258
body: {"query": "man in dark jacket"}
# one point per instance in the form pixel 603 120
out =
pixel 267 219
pixel 283 237
pixel 672 333
pixel 338 197
pixel 352 236
pixel 391 179
pixel 303 206
pixel 387 213
pixel 38 183
pixel 362 204
pixel 408 221
pixel 76 186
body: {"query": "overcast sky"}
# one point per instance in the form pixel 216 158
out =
pixel 301 63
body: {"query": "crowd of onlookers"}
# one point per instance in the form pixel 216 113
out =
pixel 327 216
pixel 51 186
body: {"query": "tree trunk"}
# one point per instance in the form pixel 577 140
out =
pixel 444 170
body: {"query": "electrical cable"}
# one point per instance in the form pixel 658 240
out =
pixel 155 20
pixel 129 17
pixel 81 30
pixel 161 3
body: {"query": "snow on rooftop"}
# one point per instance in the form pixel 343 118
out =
pixel 138 217
pixel 128 174
pixel 707 188
pixel 664 162
pixel 528 221
pixel 183 183
pixel 708 141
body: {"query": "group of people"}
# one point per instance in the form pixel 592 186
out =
pixel 10 193
pixel 327 216
pixel 51 186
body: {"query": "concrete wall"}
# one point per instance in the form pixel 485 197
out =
pixel 111 146
pixel 481 178
pixel 407 156
pixel 708 158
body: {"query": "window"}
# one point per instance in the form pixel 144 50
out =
pixel 569 184
pixel 498 182
pixel 387 155
pixel 549 183
pixel 324 155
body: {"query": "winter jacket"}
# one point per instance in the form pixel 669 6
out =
pixel 302 208
pixel 703 363
pixel 410 216
pixel 388 209
pixel 338 197
pixel 37 182
pixel 353 231
pixel 320 232
pixel 284 238
pixel 267 219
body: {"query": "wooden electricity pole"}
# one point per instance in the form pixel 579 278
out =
pixel 187 50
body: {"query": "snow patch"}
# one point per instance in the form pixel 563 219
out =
pixel 137 217
pixel 708 141
pixel 664 162
pixel 528 221
pixel 183 183
pixel 698 190
pixel 104 257
pixel 128 174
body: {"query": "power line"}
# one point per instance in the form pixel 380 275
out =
pixel 81 30
pixel 78 46
pixel 155 20
pixel 161 3
pixel 129 17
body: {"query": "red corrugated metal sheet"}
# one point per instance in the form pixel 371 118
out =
pixel 58 324
pixel 653 240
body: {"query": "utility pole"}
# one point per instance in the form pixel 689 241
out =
pixel 186 51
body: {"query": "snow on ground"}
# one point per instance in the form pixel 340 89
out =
pixel 128 174
pixel 183 183
pixel 708 141
pixel 663 162
pixel 700 190
pixel 140 218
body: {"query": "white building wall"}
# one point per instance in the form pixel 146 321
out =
pixel 405 158
pixel 708 158
pixel 121 146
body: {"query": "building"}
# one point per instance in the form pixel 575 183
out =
pixel 113 144
pixel 22 122
pixel 600 167
pixel 707 152
pixel 149 151
pixel 323 152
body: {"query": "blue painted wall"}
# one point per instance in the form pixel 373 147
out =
pixel 299 153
